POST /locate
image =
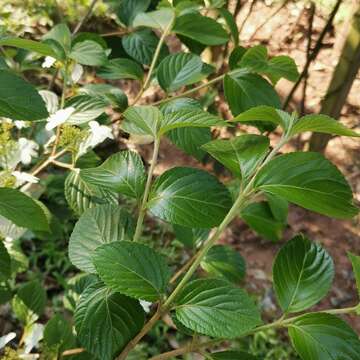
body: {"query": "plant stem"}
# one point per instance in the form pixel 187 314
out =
pixel 84 19
pixel 73 352
pixel 142 210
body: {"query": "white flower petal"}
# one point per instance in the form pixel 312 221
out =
pixel 23 177
pixel 59 118
pixel 48 62
pixel 28 149
pixel 6 339
pixel 21 124
pixel 51 100
pixel 77 73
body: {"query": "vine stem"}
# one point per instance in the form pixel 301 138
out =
pixel 142 210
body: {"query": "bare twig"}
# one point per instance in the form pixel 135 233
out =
pixel 251 8
pixel 85 18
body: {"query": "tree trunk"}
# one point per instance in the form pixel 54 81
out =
pixel 342 80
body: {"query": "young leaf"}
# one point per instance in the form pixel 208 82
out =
pixel 223 261
pixel 158 19
pixel 321 124
pixel 116 69
pixel 22 210
pixel 241 154
pixel 62 35
pixel 355 262
pixel 303 272
pixel 190 237
pixel 5 263
pixel 97 226
pixel 189 197
pixel 19 100
pixel 279 207
pixel 105 321
pixel 181 69
pixel 201 28
pixel 81 196
pixel 33 295
pixel 308 180
pixel 255 59
pixel 231 24
pixel 321 336
pixel 141 46
pixel 232 355
pixel 282 67
pixel 215 308
pixel 127 10
pixel 88 52
pixel 122 172
pixel 260 218
pixel 132 269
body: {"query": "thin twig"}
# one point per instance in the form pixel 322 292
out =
pixel 84 19
pixel 251 8
pixel 73 352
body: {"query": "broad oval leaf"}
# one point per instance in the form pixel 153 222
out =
pixel 98 226
pixel 132 269
pixel 181 69
pixel 61 34
pixel 215 308
pixel 241 155
pixel 33 295
pixel 88 52
pixel 19 100
pixel 224 261
pixel 122 172
pixel 200 28
pixel 282 66
pixel 308 180
pixel 321 336
pixel 127 10
pixel 119 68
pixel 189 197
pixel 158 19
pixel 303 272
pixel 105 321
pixel 58 333
pixel 5 263
pixel 355 262
pixel 22 210
pixel 190 237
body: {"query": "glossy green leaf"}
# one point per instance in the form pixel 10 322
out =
pixel 58 334
pixel 158 19
pixel 236 56
pixel 19 100
pixel 279 207
pixel 321 336
pixel 201 28
pixel 81 196
pixel 232 355
pixel 105 321
pixel 116 69
pixel 190 237
pixel 189 197
pixel 215 308
pixel 88 52
pixel 321 124
pixel 303 272
pixel 355 262
pixel 231 24
pixel 127 10
pixel 33 295
pixel 255 59
pixel 308 180
pixel 22 210
pixel 181 69
pixel 5 263
pixel 61 34
pixel 97 226
pixel 224 261
pixel 260 218
pixel 141 46
pixel 132 269
pixel 282 66
pixel 122 172
pixel 241 155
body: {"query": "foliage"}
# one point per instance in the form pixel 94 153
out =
pixel 124 283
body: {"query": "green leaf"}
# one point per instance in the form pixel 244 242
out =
pixel 22 210
pixel 97 226
pixel 31 45
pixel 355 262
pixel 129 9
pixel 132 269
pixel 88 52
pixel 105 321
pixel 282 67
pixel 122 172
pixel 141 46
pixel 255 59
pixel 231 24
pixel 58 333
pixel 223 261
pixel 5 263
pixel 203 29
pixel 33 295
pixel 82 36
pixel 241 155
pixel 321 336
pixel 232 355
pixel 236 56
pixel 81 196
pixel 142 120
pixel 189 197
pixel 265 113
pixel 181 69
pixel 303 272
pixel 321 124
pixel 62 35
pixel 190 237
pixel 279 207
pixel 19 100
pixel 244 91
pixel 116 69
pixel 260 218
pixel 158 19
pixel 308 180
pixel 215 308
